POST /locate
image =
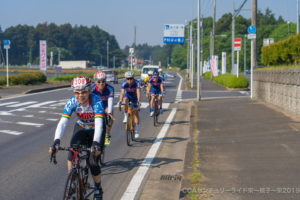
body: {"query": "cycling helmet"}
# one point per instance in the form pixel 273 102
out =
pixel 99 76
pixel 160 70
pixel 150 73
pixel 155 74
pixel 81 83
pixel 129 74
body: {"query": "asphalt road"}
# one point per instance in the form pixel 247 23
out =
pixel 27 129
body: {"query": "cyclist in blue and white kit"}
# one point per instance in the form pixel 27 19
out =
pixel 106 93
pixel 155 87
pixel 88 127
pixel 131 92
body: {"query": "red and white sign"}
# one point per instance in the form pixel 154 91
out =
pixel 43 55
pixel 237 44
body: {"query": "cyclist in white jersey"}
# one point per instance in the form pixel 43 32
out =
pixel 88 128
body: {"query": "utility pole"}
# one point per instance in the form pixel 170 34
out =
pixel 58 55
pixel 201 47
pixel 213 28
pixel 245 61
pixel 114 61
pixel 297 16
pixel 253 22
pixel 198 54
pixel 232 39
pixel 191 57
pixel 134 43
pixel 107 48
pixel 188 52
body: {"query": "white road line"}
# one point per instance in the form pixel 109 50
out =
pixel 40 104
pixel 165 105
pixel 58 104
pixel 8 103
pixel 30 124
pixel 137 179
pixel 5 113
pixel 11 132
pixel 22 104
pixel 179 92
pixel 42 111
pixel 52 119
pixel 28 116
pixel 146 104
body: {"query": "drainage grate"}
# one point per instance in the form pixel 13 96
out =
pixel 171 178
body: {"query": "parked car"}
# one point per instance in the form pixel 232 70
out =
pixel 111 76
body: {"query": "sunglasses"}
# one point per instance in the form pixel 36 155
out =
pixel 129 78
pixel 101 81
pixel 80 92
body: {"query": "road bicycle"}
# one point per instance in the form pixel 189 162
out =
pixel 130 124
pixel 77 186
pixel 156 111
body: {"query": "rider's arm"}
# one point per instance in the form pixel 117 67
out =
pixel 162 88
pixel 148 87
pixel 99 115
pixel 122 94
pixel 110 101
pixel 61 126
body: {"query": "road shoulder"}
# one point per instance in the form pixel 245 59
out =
pixel 164 180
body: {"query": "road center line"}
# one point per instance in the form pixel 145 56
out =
pixel 137 179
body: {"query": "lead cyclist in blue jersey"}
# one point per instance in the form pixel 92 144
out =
pixel 106 93
pixel 131 92
pixel 88 127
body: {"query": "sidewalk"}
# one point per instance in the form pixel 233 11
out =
pixel 26 89
pixel 241 149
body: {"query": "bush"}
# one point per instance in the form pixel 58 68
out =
pixel 228 80
pixel 232 81
pixel 25 79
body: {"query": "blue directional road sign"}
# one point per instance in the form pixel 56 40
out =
pixel 173 40
pixel 6 44
pixel 251 30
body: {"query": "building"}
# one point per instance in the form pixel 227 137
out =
pixel 75 64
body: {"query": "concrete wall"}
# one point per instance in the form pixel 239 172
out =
pixel 280 87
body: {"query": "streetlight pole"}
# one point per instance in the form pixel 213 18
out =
pixel 198 53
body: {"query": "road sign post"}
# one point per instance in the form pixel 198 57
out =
pixel 252 35
pixel 237 48
pixel 173 34
pixel 6 44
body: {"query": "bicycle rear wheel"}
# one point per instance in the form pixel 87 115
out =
pixel 72 187
pixel 129 130
pixel 155 115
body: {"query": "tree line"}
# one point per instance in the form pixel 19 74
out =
pixel 90 43
pixel 65 41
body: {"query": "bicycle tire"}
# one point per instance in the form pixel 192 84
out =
pixel 72 187
pixel 130 129
pixel 155 113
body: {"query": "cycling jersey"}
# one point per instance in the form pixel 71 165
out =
pixel 130 90
pixel 155 85
pixel 106 95
pixel 147 79
pixel 87 116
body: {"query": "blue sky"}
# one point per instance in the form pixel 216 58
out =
pixel 119 17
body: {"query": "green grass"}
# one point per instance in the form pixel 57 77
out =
pixel 279 67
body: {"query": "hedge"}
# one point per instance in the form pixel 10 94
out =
pixel 24 79
pixel 228 80
pixel 282 52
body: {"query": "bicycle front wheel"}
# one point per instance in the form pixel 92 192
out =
pixel 72 188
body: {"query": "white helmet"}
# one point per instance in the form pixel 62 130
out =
pixel 150 73
pixel 160 70
pixel 81 83
pixel 99 76
pixel 129 74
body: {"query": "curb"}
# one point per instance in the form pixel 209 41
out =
pixel 44 89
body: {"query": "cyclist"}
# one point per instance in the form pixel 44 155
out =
pixel 162 76
pixel 131 92
pixel 88 128
pixel 155 87
pixel 106 93
pixel 148 77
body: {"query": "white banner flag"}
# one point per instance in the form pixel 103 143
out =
pixel 43 55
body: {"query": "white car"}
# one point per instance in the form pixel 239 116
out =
pixel 146 68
